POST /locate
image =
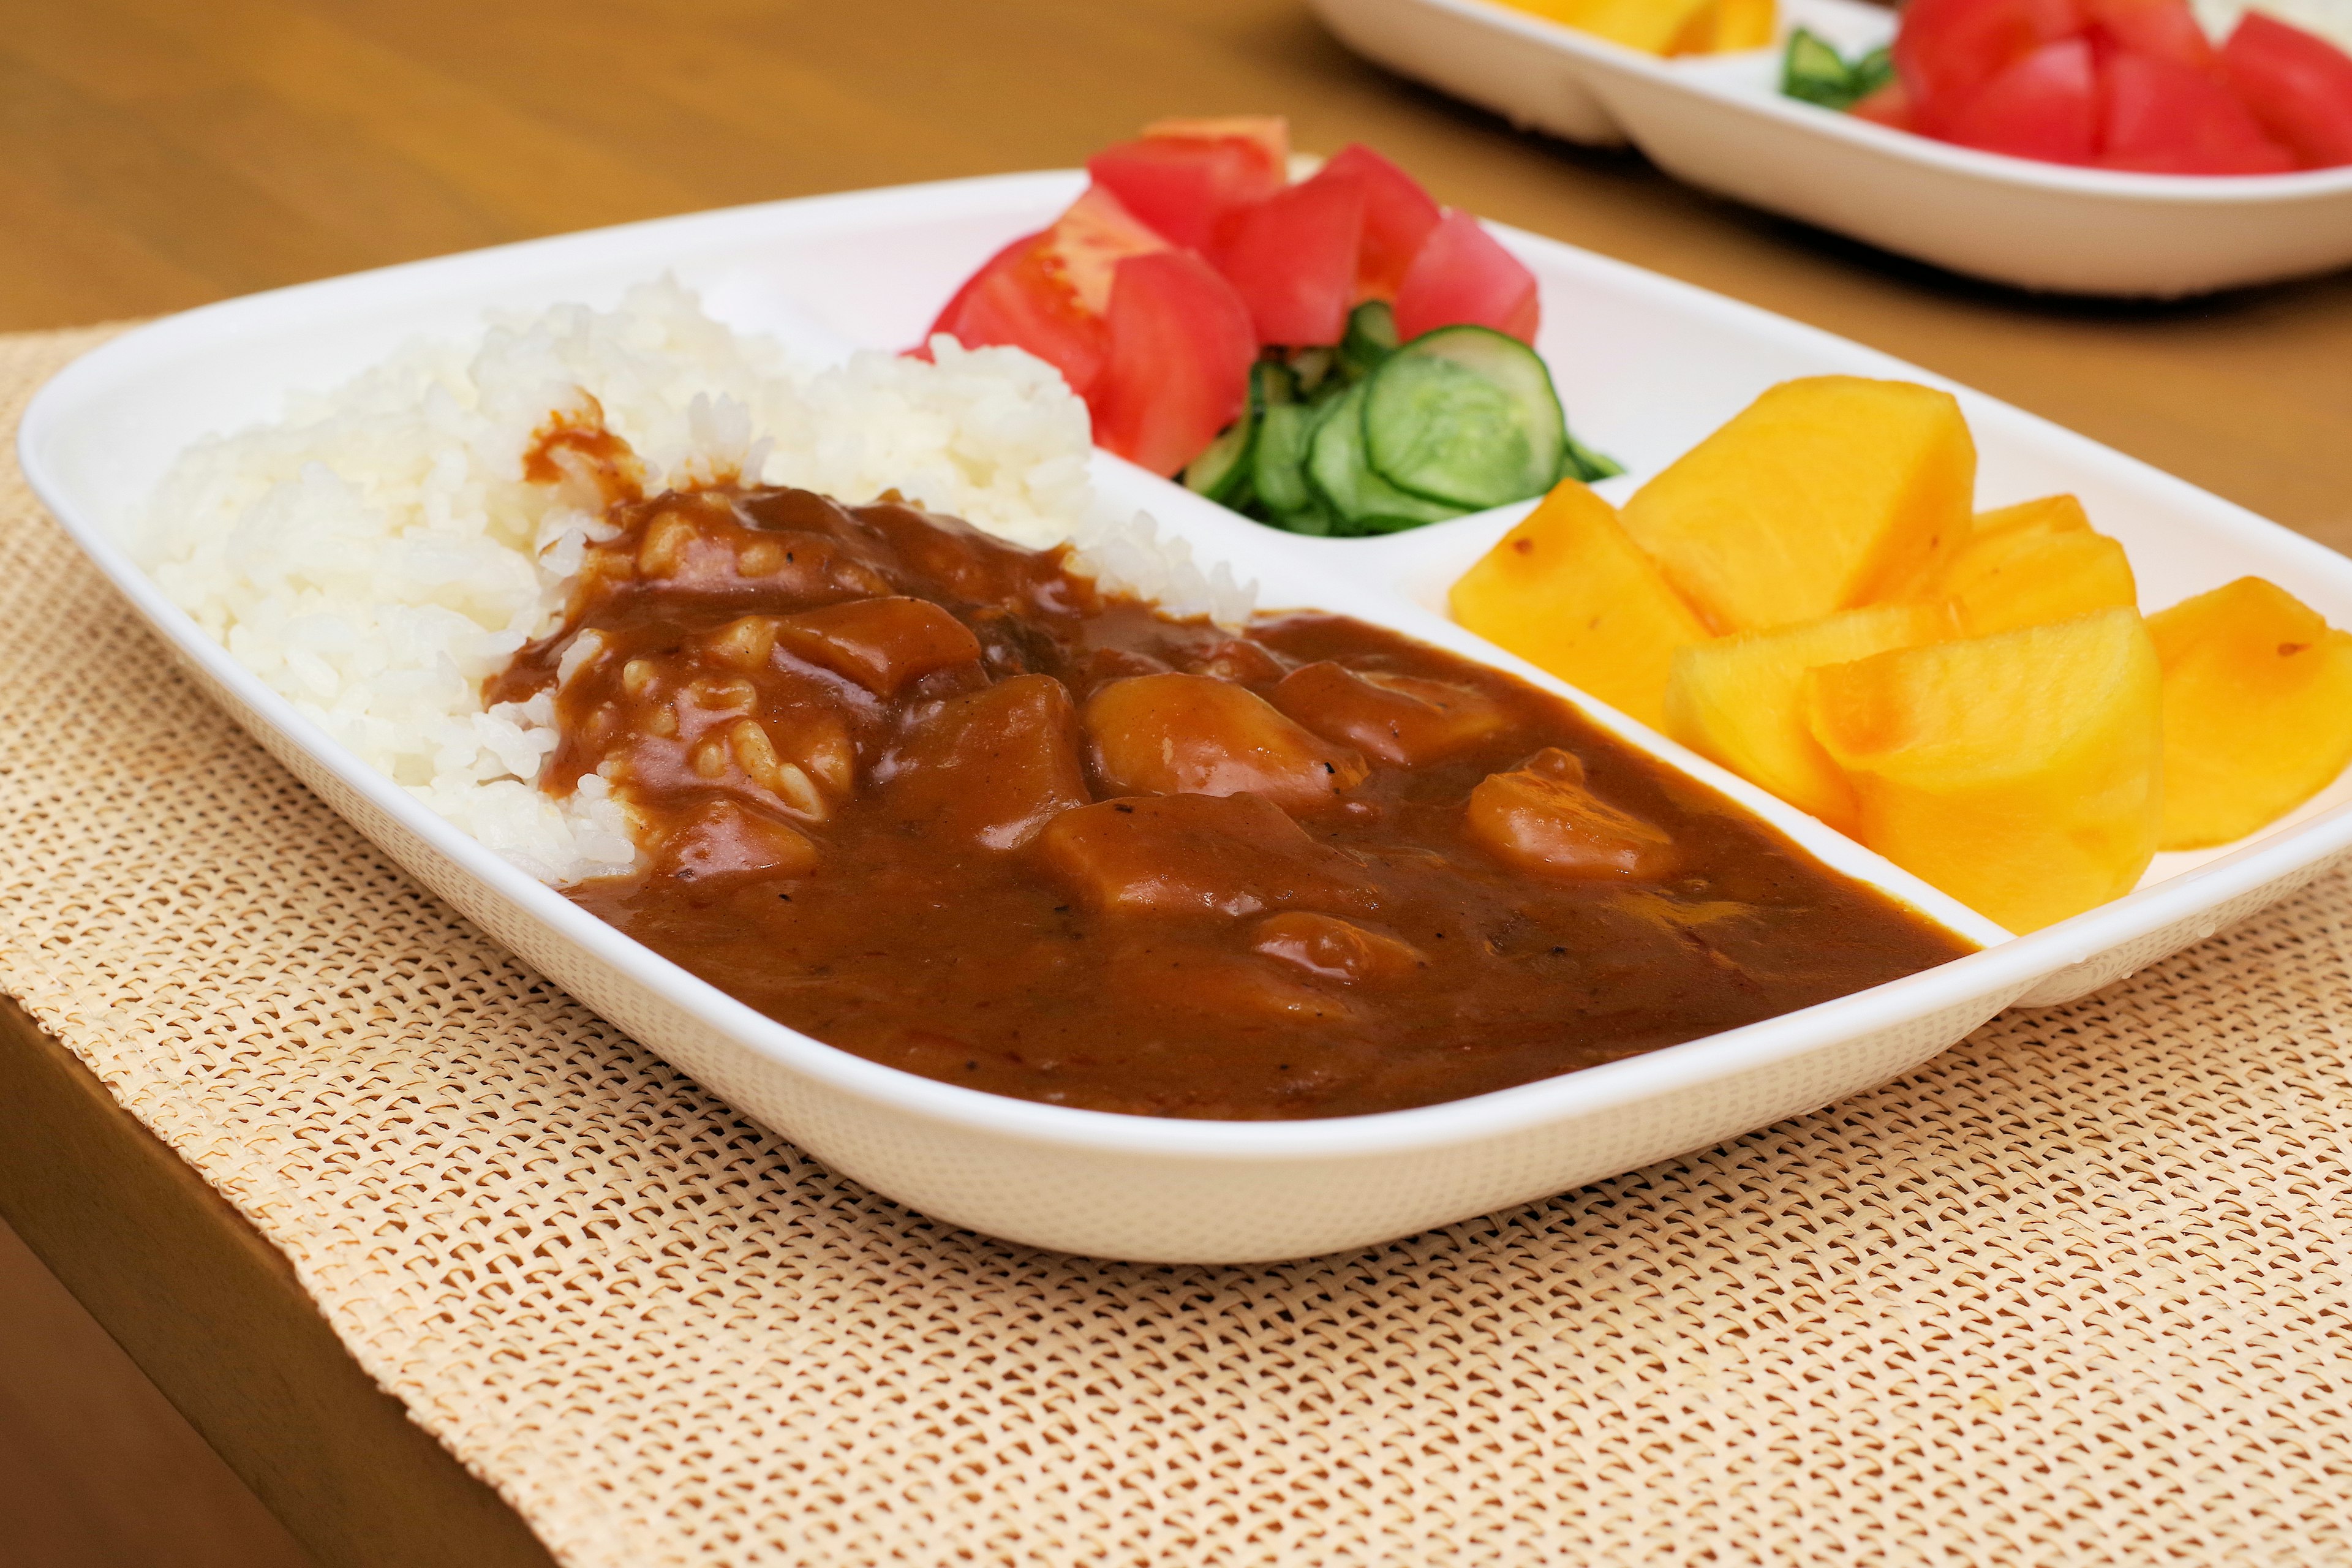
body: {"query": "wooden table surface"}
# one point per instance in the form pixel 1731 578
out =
pixel 155 156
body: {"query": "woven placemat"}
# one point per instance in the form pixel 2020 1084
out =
pixel 2073 1293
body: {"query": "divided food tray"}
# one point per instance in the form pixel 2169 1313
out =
pixel 1645 365
pixel 1721 122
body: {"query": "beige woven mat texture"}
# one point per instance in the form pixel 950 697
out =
pixel 2074 1293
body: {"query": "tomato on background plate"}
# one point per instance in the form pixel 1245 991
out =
pixel 2119 84
pixel 2298 86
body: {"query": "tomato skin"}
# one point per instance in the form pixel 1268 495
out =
pixel 2157 29
pixel 1399 217
pixel 1890 106
pixel 2161 117
pixel 2046 106
pixel 1946 49
pixel 2297 85
pixel 1088 241
pixel 1180 348
pixel 1463 275
pixel 1019 300
pixel 1187 186
pixel 1292 258
pixel 1047 293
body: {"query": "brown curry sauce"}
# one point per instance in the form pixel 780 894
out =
pixel 935 800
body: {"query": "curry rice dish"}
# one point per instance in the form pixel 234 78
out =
pixel 941 801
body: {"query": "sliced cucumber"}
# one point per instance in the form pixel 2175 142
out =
pixel 1582 462
pixel 1337 463
pixel 1220 472
pixel 1271 384
pixel 1278 462
pixel 1312 367
pixel 1371 337
pixel 1465 416
pixel 1314 518
pixel 1814 72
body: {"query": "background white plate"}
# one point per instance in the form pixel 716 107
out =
pixel 1646 366
pixel 1720 122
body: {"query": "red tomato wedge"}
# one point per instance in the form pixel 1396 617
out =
pixel 2046 106
pixel 1293 258
pixel 1088 241
pixel 1184 178
pixel 2164 118
pixel 1890 106
pixel 1178 371
pixel 1270 131
pixel 2298 86
pixel 1399 217
pixel 952 312
pixel 1048 293
pixel 2158 29
pixel 1018 301
pixel 1462 276
pixel 1946 49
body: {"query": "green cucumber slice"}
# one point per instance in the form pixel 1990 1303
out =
pixel 1313 368
pixel 1466 417
pixel 1815 72
pixel 1582 462
pixel 1337 464
pixel 1219 473
pixel 1371 337
pixel 1271 383
pixel 1278 462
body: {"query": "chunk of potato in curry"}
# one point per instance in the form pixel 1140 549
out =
pixel 940 802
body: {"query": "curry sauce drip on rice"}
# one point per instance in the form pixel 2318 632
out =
pixel 382 548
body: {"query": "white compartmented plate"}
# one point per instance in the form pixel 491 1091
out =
pixel 1721 122
pixel 1647 365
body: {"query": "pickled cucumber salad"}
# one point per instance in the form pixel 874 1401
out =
pixel 1375 436
pixel 1334 354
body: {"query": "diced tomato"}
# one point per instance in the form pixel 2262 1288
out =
pixel 1463 275
pixel 1048 292
pixel 1398 216
pixel 1946 49
pixel 1184 178
pixel 1088 241
pixel 2161 29
pixel 1270 132
pixel 1177 370
pixel 2164 118
pixel 1890 106
pixel 1292 258
pixel 2046 106
pixel 952 311
pixel 1018 300
pixel 2298 86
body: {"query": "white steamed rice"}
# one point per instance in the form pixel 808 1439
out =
pixel 375 554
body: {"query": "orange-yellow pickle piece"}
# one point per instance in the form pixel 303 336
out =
pixel 2020 773
pixel 1567 590
pixel 2257 709
pixel 1740 700
pixel 2031 565
pixel 1664 26
pixel 1824 494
